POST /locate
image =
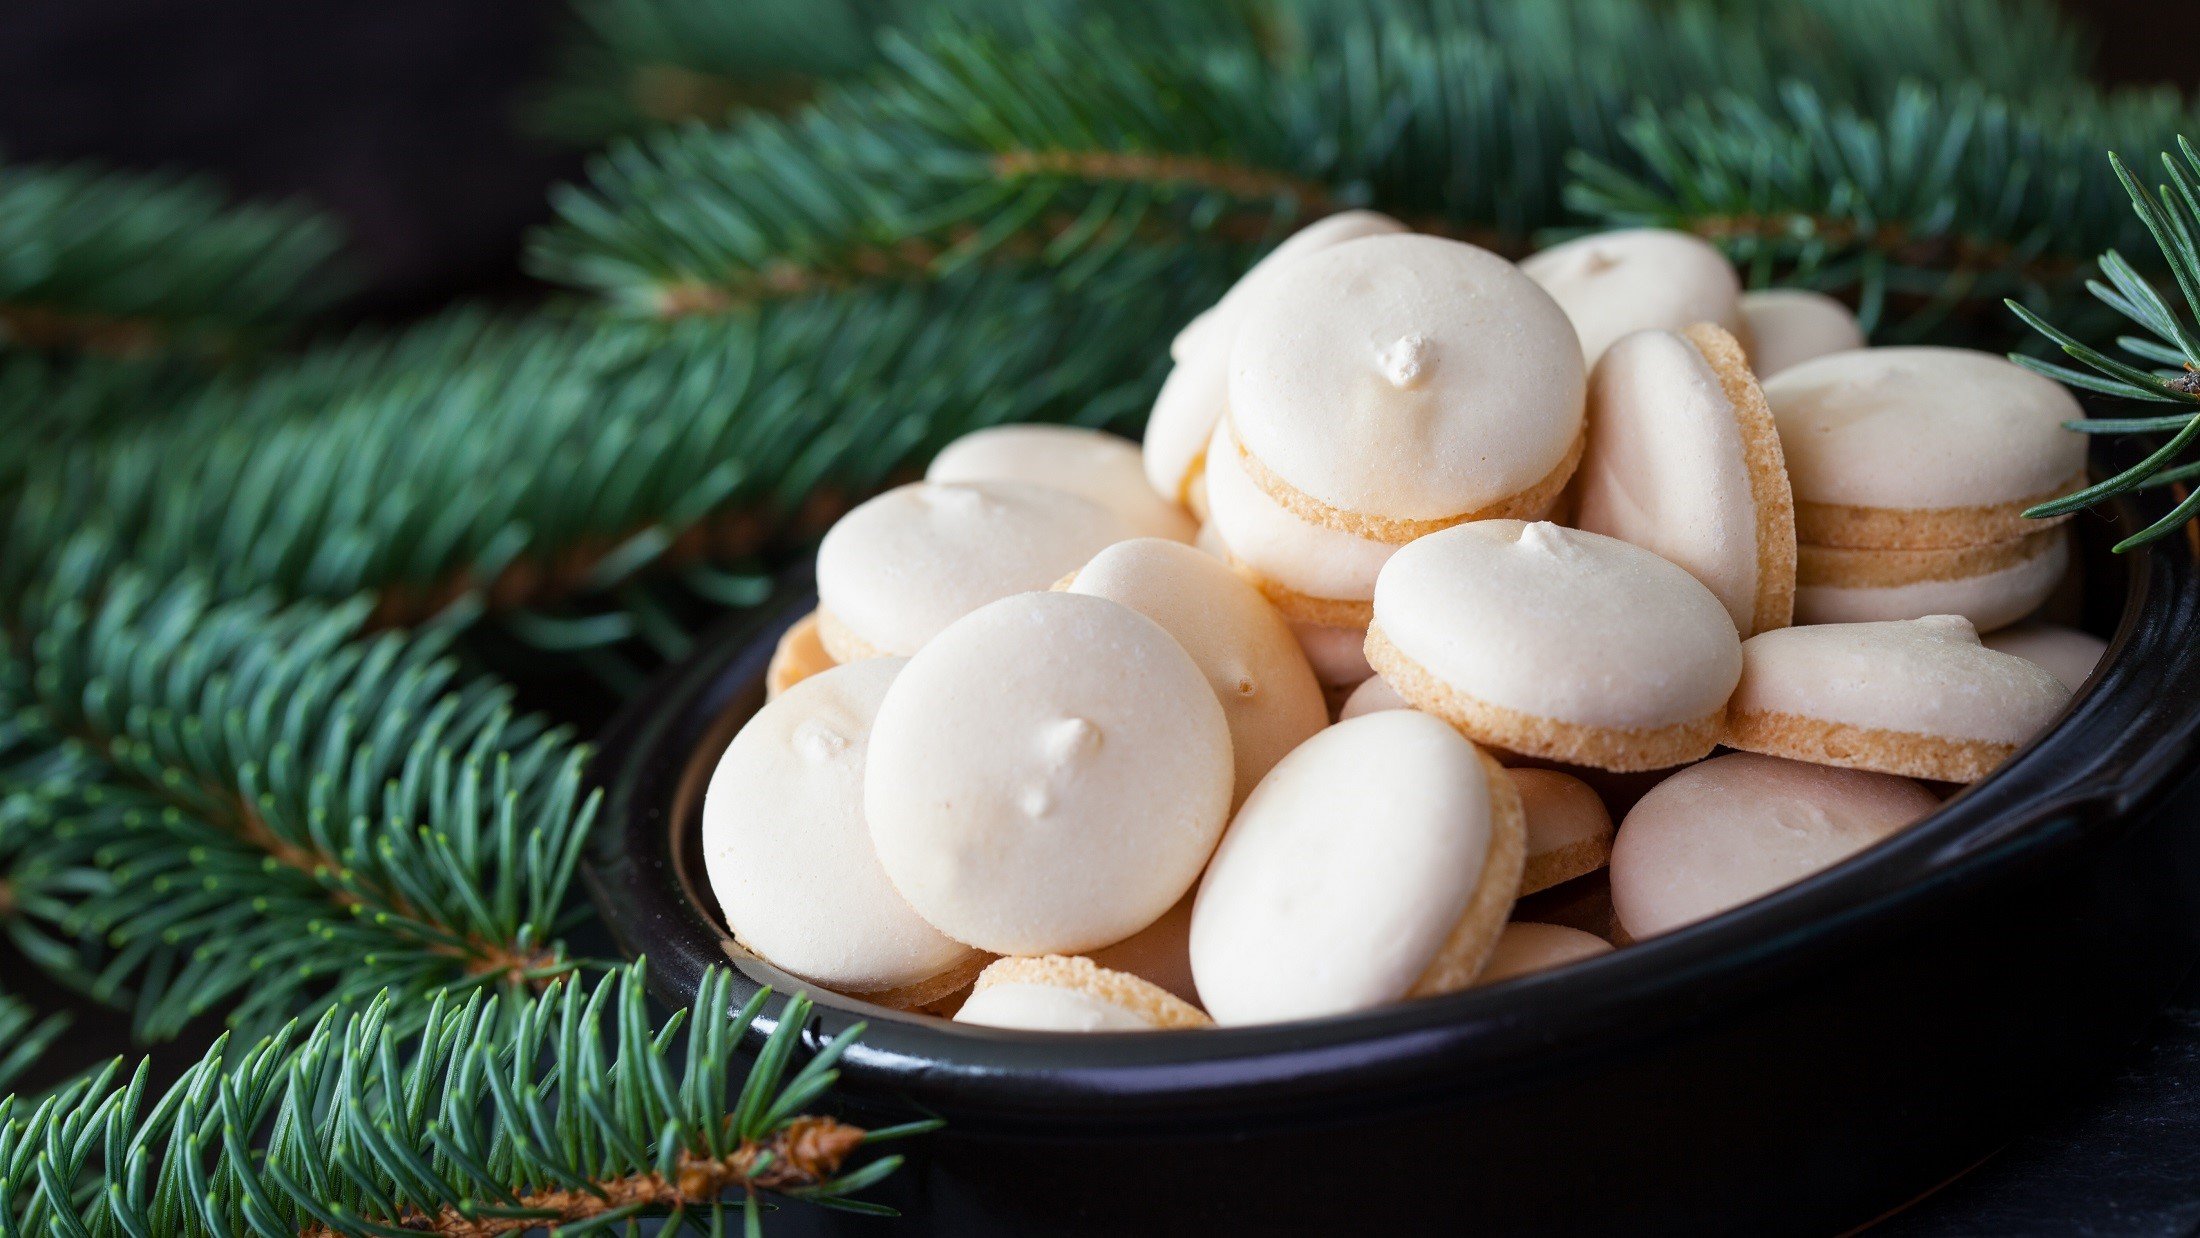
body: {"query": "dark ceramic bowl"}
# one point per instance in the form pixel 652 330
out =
pixel 1802 1064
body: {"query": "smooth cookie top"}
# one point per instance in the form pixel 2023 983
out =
pixel 1344 873
pixel 787 850
pixel 1561 810
pixel 1927 676
pixel 1048 775
pixel 1406 378
pixel 1719 834
pixel 899 568
pixel 1613 284
pixel 1785 327
pixel 1092 464
pixel 1194 395
pixel 1923 429
pixel 1266 688
pixel 1670 468
pixel 1560 624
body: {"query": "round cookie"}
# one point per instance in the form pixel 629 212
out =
pixel 1684 461
pixel 1992 584
pixel 1160 953
pixel 1267 691
pixel 1194 394
pixel 1375 862
pixel 1922 448
pixel 1091 464
pixel 1733 829
pixel 799 654
pixel 1526 947
pixel 1613 284
pixel 1787 326
pixel 1048 775
pixel 1921 698
pixel 1403 384
pixel 2068 654
pixel 897 569
pixel 1310 572
pixel 1054 993
pixel 1372 697
pixel 790 858
pixel 1569 829
pixel 1555 643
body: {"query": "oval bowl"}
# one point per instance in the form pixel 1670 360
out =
pixel 1804 1063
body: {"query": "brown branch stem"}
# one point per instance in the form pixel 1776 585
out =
pixel 807 1151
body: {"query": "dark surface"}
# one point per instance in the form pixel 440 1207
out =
pixel 397 113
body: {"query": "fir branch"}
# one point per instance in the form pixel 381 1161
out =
pixel 1082 136
pixel 1938 201
pixel 497 1116
pixel 251 807
pixel 130 264
pixel 552 471
pixel 2164 364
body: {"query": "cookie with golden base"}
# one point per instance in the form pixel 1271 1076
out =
pixel 1922 698
pixel 899 568
pixel 1738 827
pixel 1048 775
pixel 1193 396
pixel 1990 583
pixel 1267 691
pixel 1398 385
pixel 1310 572
pixel 1784 327
pixel 1059 993
pixel 1684 461
pixel 1922 448
pixel 1091 464
pixel 790 859
pixel 799 654
pixel 1555 643
pixel 1569 829
pixel 1376 862
pixel 1526 947
pixel 1613 284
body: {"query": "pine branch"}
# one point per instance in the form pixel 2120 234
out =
pixel 1937 202
pixel 497 1116
pixel 253 808
pixel 129 265
pixel 1084 136
pixel 2164 364
pixel 538 478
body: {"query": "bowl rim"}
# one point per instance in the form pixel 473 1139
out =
pixel 2127 732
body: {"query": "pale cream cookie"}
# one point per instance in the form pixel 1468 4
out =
pixel 790 858
pixel 1555 643
pixel 1376 862
pixel 1922 698
pixel 1684 461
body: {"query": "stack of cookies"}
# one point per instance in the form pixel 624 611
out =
pixel 1430 569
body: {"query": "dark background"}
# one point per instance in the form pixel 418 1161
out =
pixel 402 116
